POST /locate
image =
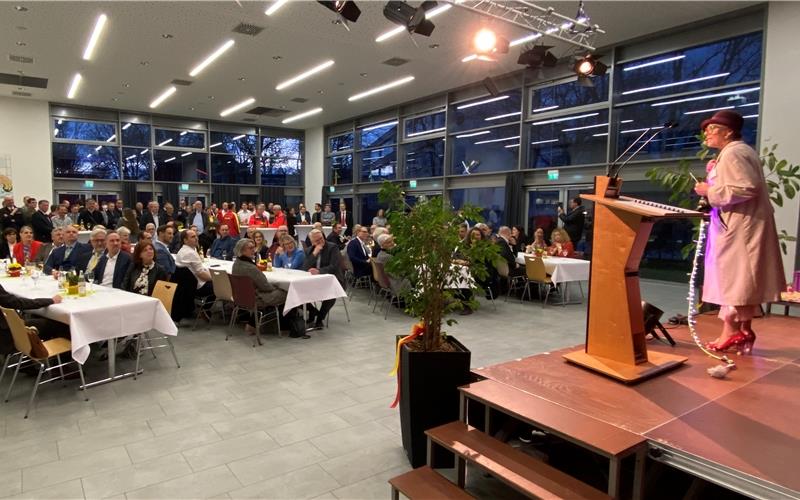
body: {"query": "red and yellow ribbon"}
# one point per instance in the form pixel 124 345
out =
pixel 416 331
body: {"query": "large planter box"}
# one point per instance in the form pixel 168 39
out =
pixel 429 384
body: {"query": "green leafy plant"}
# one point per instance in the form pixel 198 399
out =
pixel 427 238
pixel 72 278
pixel 783 182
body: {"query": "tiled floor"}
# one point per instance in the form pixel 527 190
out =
pixel 290 419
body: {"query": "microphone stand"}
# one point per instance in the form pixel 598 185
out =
pixel 645 143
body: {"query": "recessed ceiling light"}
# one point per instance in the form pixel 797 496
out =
pixel 241 78
pixel 211 98
pixel 187 153
pixel 96 32
pixel 242 136
pixel 20 8
pixel 73 88
pixel 363 75
pixel 21 44
pixel 211 58
pixel 381 88
pixel 237 107
pixel 165 142
pixel 161 98
pixel 126 85
pixel 277 4
pixel 144 63
pixel 306 74
pixel 169 159
pixel 302 115
pixel 277 58
pixel 126 126
pixel 167 36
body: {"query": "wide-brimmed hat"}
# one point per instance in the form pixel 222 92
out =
pixel 726 118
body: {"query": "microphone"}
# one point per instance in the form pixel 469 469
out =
pixel 666 126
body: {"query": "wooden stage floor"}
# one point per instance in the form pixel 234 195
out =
pixel 747 425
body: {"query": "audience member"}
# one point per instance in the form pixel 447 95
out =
pixel 90 216
pixel 164 236
pixel 113 266
pixel 125 239
pixel 291 257
pixel 574 219
pixel 244 215
pixel 317 215
pixel 229 217
pixel 144 271
pixel 539 244
pixel 8 243
pixel 42 225
pixel 561 246
pixel 152 216
pixel 10 215
pixel 275 248
pixel 506 251
pixel 56 240
pixel 380 219
pixel 70 255
pixel 259 218
pixel 61 219
pixel 222 247
pixel 28 209
pixel 336 236
pixel 196 217
pixel 376 248
pixel 327 217
pixel 189 258
pixel 98 242
pixel 303 216
pixel 517 241
pixel 316 225
pixel 207 238
pixel 322 258
pixel 345 218
pixel 27 248
pixel 262 250
pixel 278 219
pixel 359 253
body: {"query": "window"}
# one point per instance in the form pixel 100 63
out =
pixel 486 111
pixel 342 169
pixel 369 208
pixel 492 150
pixel 570 140
pixel 235 144
pixel 180 139
pixel 568 95
pixel 341 142
pixel 378 164
pixel 382 134
pixel 173 166
pixel 688 112
pixel 282 161
pixel 491 200
pixel 136 164
pixel 84 131
pixel 735 60
pixel 424 158
pixel 232 169
pixel 84 161
pixel 135 134
pixel 423 125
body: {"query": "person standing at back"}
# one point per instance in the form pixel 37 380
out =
pixel 42 225
pixel 574 219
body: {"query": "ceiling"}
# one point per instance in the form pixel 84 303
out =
pixel 134 62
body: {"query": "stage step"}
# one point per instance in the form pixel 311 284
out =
pixel 425 483
pixel 519 470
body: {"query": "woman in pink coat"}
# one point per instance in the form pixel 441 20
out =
pixel 743 266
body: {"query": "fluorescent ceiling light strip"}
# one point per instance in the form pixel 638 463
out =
pixel 55 131
pixel 277 4
pixel 707 110
pixel 184 133
pixel 239 137
pixel 525 39
pixel 165 142
pixel 544 142
pixel 511 145
pixel 399 29
pixel 186 154
pixel 302 76
pixel 98 148
pixel 131 157
pixel 214 55
pixel 653 63
pixel 237 107
pixel 470 57
pixel 485 101
pixel 111 138
pixel 302 115
pixel 706 96
pixel 546 108
pixel 73 87
pixel 126 126
pixel 483 132
pixel 145 151
pixel 750 104
pixel 215 145
pixel 626 121
pixel 158 100
pixel 566 118
pixel 506 115
pixel 169 159
pixel 380 125
pixel 587 126
pixel 431 131
pixel 498 140
pixel 750 116
pixel 673 84
pixel 634 130
pixel 96 32
pixel 600 135
pixel 382 88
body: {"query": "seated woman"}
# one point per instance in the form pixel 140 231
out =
pixel 262 250
pixel 561 246
pixel 380 219
pixel 7 245
pixel 518 240
pixel 142 275
pixel 291 257
pixel 539 244
pixel 26 249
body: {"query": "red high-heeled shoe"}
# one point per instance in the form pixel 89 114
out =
pixel 750 339
pixel 737 340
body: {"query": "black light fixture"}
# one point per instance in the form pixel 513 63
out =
pixel 347 9
pixel 652 316
pixel 412 19
pixel 588 66
pixel 537 56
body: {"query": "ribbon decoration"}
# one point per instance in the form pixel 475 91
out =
pixel 416 330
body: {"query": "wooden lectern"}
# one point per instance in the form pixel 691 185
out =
pixel 615 336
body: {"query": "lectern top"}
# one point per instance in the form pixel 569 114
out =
pixel 644 208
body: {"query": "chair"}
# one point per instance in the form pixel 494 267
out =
pixel 512 282
pixel 24 336
pixel 165 292
pixel 188 301
pixel 244 299
pixel 385 288
pixel 536 273
pixel 222 289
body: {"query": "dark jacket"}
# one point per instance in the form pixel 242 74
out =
pixel 11 301
pixel 303 218
pixel 267 294
pixel 124 261
pixel 89 219
pixel 507 253
pixel 147 218
pixel 42 227
pixel 223 245
pixel 79 256
pixel 573 223
pixel 8 220
pixel 329 261
pixel 157 273
pixel 348 218
pixel 316 217
pixel 360 261
pixel 336 239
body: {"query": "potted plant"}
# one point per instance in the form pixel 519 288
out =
pixel 72 283
pixel 432 365
pixel 14 270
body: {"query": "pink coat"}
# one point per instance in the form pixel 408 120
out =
pixel 743 263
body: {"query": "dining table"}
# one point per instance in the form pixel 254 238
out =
pixel 562 270
pixel 302 231
pixel 268 233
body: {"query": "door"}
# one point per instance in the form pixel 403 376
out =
pixel 543 207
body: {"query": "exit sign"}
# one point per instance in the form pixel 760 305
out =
pixel 332 189
pixel 88 184
pixel 184 187
pixel 412 183
pixel 552 175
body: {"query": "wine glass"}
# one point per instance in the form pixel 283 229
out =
pixel 35 275
pixel 89 280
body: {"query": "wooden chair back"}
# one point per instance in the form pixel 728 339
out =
pixel 244 292
pixel 381 277
pixel 221 284
pixel 534 268
pixel 19 332
pixel 165 292
pixel 502 268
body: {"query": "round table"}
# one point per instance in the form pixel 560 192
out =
pixel 269 234
pixel 302 231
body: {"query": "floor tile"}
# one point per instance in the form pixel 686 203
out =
pixel 132 477
pixel 67 490
pixel 10 483
pixel 276 462
pixel 60 471
pixel 306 428
pixel 304 483
pixel 236 426
pixel 204 484
pixel 102 439
pixel 221 452
pixel 167 444
pixel 334 444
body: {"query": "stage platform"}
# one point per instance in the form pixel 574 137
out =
pixel 742 432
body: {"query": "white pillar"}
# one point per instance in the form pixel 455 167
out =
pixel 25 147
pixel 314 166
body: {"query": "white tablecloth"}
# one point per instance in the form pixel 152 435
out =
pixel 562 269
pixel 84 236
pixel 105 314
pixel 327 230
pixel 302 231
pixel 269 234
pixel 301 287
pixel 243 230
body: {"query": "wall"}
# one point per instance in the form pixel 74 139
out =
pixel 314 166
pixel 778 123
pixel 25 139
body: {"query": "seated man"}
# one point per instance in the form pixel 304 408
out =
pixel 188 257
pixel 57 239
pixel 359 253
pixel 164 238
pixel 322 258
pixel 318 226
pixel 98 242
pixel 48 328
pixel 70 254
pixel 278 217
pixel 336 236
pixel 222 247
pixel 114 264
pixel 275 248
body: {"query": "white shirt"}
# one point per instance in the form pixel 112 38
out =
pixel 155 220
pixel 188 257
pixel 244 216
pixel 108 272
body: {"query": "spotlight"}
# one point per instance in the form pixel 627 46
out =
pixel 589 65
pixel 412 19
pixel 346 9
pixel 537 56
pixel 652 315
pixel 486 43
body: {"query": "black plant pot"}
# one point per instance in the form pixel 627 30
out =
pixel 429 384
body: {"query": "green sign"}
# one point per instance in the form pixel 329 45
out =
pixel 88 184
pixel 184 187
pixel 552 175
pixel 332 189
pixel 412 183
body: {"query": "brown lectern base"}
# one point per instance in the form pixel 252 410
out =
pixel 657 362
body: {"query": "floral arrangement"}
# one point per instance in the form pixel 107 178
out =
pixel 14 269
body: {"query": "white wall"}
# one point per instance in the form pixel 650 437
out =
pixel 779 120
pixel 25 142
pixel 314 166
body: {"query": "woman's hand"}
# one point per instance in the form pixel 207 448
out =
pixel 701 188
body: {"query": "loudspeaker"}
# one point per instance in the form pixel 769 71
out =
pixel 652 315
pixel 491 87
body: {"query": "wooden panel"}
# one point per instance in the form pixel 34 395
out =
pixel 426 484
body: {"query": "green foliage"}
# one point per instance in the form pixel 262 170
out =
pixel 427 238
pixel 72 278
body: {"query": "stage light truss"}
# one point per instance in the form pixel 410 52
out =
pixel 532 17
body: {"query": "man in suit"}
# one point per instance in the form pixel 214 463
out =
pixel 113 265
pixel 345 218
pixel 303 216
pixel 317 215
pixel 507 253
pixel 152 216
pixel 10 215
pixel 359 253
pixel 97 240
pixel 115 209
pixel 573 220
pixel 57 240
pixel 70 255
pixel 322 258
pixel 164 237
pixel 42 225
pixel 336 236
pixel 91 216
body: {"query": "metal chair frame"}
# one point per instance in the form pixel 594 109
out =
pixel 165 292
pixel 244 299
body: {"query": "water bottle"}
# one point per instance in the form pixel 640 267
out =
pixel 81 285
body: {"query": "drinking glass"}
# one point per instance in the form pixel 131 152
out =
pixel 35 275
pixel 89 280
